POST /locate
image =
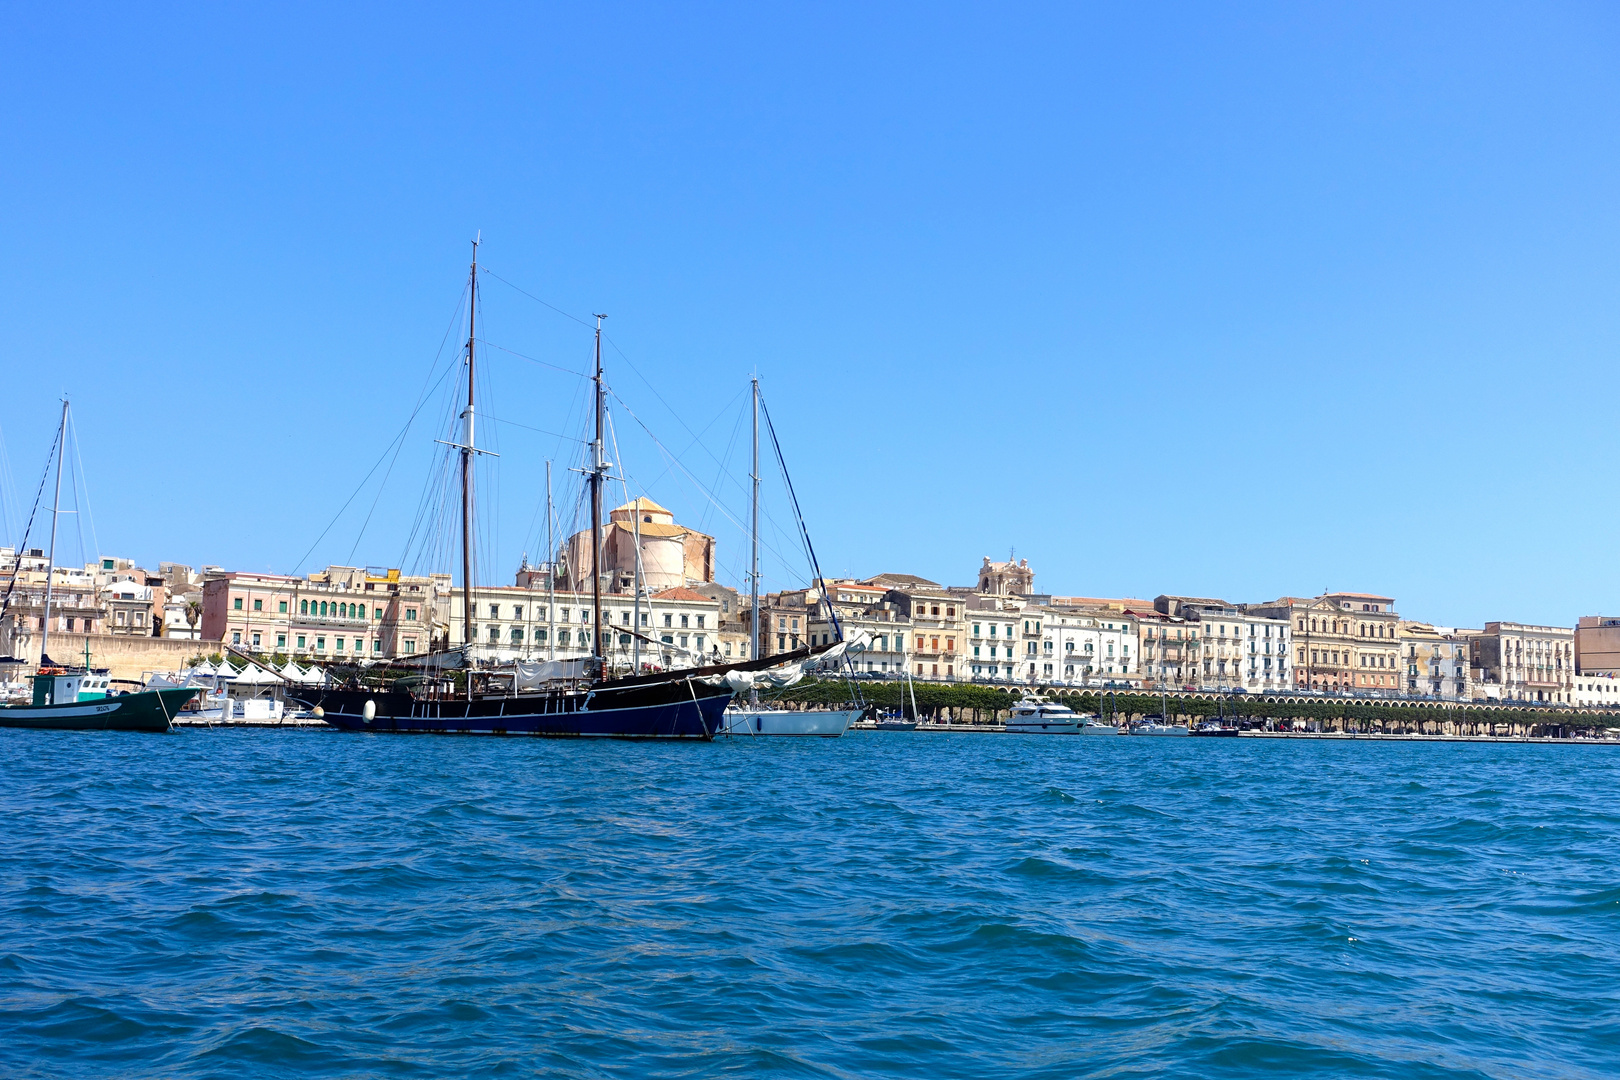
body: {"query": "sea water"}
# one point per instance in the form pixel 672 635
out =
pixel 248 903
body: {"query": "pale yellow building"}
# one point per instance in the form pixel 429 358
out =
pixel 1342 641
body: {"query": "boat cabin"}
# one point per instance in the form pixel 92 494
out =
pixel 59 688
pixel 1040 709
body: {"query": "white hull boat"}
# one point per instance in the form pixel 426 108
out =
pixel 1097 727
pixel 828 723
pixel 1159 729
pixel 1032 716
pixel 1046 727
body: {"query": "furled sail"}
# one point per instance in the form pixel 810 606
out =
pixel 788 674
pixel 536 673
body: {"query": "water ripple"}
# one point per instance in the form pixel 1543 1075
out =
pixel 250 904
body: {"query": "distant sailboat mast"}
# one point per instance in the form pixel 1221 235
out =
pixel 56 510
pixel 753 569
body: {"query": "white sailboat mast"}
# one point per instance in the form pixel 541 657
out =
pixel 56 510
pixel 753 570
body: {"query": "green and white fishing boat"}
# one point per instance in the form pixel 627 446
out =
pixel 67 700
pixel 80 699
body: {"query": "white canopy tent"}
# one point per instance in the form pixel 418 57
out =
pixel 254 675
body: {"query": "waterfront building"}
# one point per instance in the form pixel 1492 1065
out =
pixel 731 633
pixel 784 622
pixel 1081 647
pixel 128 607
pixel 76 603
pixel 991 642
pixel 1597 644
pixel 182 617
pixel 340 613
pixel 676 627
pixel 1237 648
pixel 1599 689
pixel 1168 648
pixel 935 618
pixel 1342 641
pixel 862 607
pixel 133 599
pixel 1526 662
pixel 183 602
pixel 1437 661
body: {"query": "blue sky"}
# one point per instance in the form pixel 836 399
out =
pixel 1234 300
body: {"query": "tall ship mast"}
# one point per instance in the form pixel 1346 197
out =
pixel 560 697
pixel 468 449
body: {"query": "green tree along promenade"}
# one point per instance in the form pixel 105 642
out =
pixel 978 703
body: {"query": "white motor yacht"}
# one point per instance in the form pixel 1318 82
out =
pixel 1033 716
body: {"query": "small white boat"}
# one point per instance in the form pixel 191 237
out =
pixel 828 723
pixel 1095 725
pixel 1156 725
pixel 1032 716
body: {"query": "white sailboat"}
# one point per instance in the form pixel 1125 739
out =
pixel 752 719
pixel 1159 724
pixel 1155 725
pixel 900 720
pixel 1096 725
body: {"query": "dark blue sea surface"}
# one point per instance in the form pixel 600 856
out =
pixel 237 903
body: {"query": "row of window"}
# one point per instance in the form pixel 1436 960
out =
pixel 1237 630
pixel 1563 647
pixel 567 614
pixel 1342 626
pixel 341 644
pixel 323 609
pixel 582 639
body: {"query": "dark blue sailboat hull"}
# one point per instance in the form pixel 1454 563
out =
pixel 670 710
